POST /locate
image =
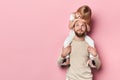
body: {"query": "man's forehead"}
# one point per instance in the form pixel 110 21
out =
pixel 80 21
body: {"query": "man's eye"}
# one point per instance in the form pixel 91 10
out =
pixel 83 25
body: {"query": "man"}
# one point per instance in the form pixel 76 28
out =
pixel 79 54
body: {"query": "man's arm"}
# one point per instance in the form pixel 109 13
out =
pixel 96 59
pixel 64 53
pixel 97 62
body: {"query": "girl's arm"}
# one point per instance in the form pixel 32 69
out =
pixel 69 38
pixel 72 17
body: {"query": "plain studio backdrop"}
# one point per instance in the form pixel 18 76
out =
pixel 32 33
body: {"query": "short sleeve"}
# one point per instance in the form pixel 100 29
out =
pixel 72 17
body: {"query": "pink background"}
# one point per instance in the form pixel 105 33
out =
pixel 32 33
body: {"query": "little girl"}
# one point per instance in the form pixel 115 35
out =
pixel 84 12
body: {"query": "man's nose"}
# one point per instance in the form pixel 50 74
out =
pixel 79 27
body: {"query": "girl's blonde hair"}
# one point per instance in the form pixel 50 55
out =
pixel 85 13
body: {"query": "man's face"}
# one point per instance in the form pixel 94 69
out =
pixel 80 28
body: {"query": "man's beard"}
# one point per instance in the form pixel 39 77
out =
pixel 80 34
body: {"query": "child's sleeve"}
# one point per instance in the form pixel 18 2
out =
pixel 69 38
pixel 72 17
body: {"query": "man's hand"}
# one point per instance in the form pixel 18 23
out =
pixel 66 51
pixel 90 63
pixel 92 51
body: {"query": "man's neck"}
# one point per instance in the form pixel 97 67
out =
pixel 79 38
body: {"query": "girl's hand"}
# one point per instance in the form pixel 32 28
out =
pixel 77 15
